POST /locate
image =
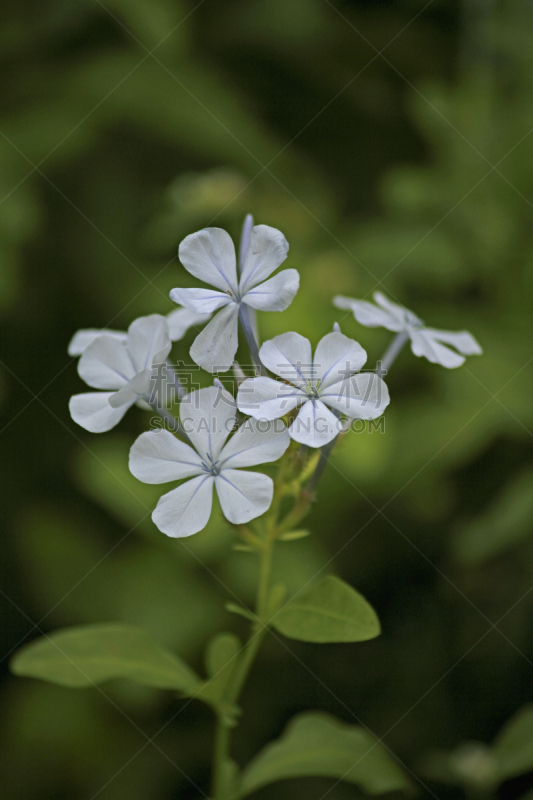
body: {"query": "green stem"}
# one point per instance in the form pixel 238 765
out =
pixel 250 339
pixel 264 544
pixel 388 358
pixel 245 662
pixel 392 352
pixel 170 421
pixel 222 735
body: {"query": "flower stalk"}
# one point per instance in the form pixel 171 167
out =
pixel 285 484
pixel 250 339
pixel 392 352
pixel 220 788
pixel 171 423
pixel 383 365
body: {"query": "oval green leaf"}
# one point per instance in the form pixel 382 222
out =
pixel 91 654
pixel 316 744
pixel 513 746
pixel 507 522
pixel 221 653
pixel 221 658
pixel 331 612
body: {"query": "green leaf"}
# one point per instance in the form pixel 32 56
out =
pixel 275 599
pixel 220 659
pixel 471 765
pixel 316 744
pixel 243 612
pixel 90 654
pixel 292 536
pixel 507 522
pixel 513 746
pixel 221 653
pixel 331 612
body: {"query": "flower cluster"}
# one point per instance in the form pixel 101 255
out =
pixel 211 446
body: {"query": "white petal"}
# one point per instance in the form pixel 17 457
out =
pixel 463 341
pixel 208 417
pixel 185 510
pixel 148 337
pixel 369 315
pixel 315 425
pixel 362 396
pixel 336 357
pixel 139 386
pixel 268 249
pixel 209 255
pixel 201 301
pixel 275 294
pixel 214 348
pixel 93 412
pixel 422 344
pixel 290 357
pixel 243 495
pixel 255 443
pixel 402 314
pixel 159 457
pixel 106 364
pixel 267 399
pixel 394 309
pixel 82 339
pixel 180 320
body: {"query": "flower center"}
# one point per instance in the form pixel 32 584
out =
pixel 235 296
pixel 312 390
pixel 211 467
pixel 412 321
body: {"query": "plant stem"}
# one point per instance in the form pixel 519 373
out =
pixel 391 353
pixel 388 358
pixel 271 530
pixel 171 421
pixel 176 382
pixel 242 669
pixel 220 755
pixel 321 466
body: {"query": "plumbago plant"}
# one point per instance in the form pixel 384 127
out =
pixel 291 412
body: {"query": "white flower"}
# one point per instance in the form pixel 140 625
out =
pixel 179 321
pixel 427 342
pixel 314 384
pixel 123 369
pixel 209 255
pixel 208 416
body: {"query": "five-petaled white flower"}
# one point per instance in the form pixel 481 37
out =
pixel 123 369
pixel 428 342
pixel 208 416
pixel 179 321
pixel 209 255
pixel 314 384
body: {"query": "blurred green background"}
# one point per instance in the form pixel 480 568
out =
pixel 390 141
